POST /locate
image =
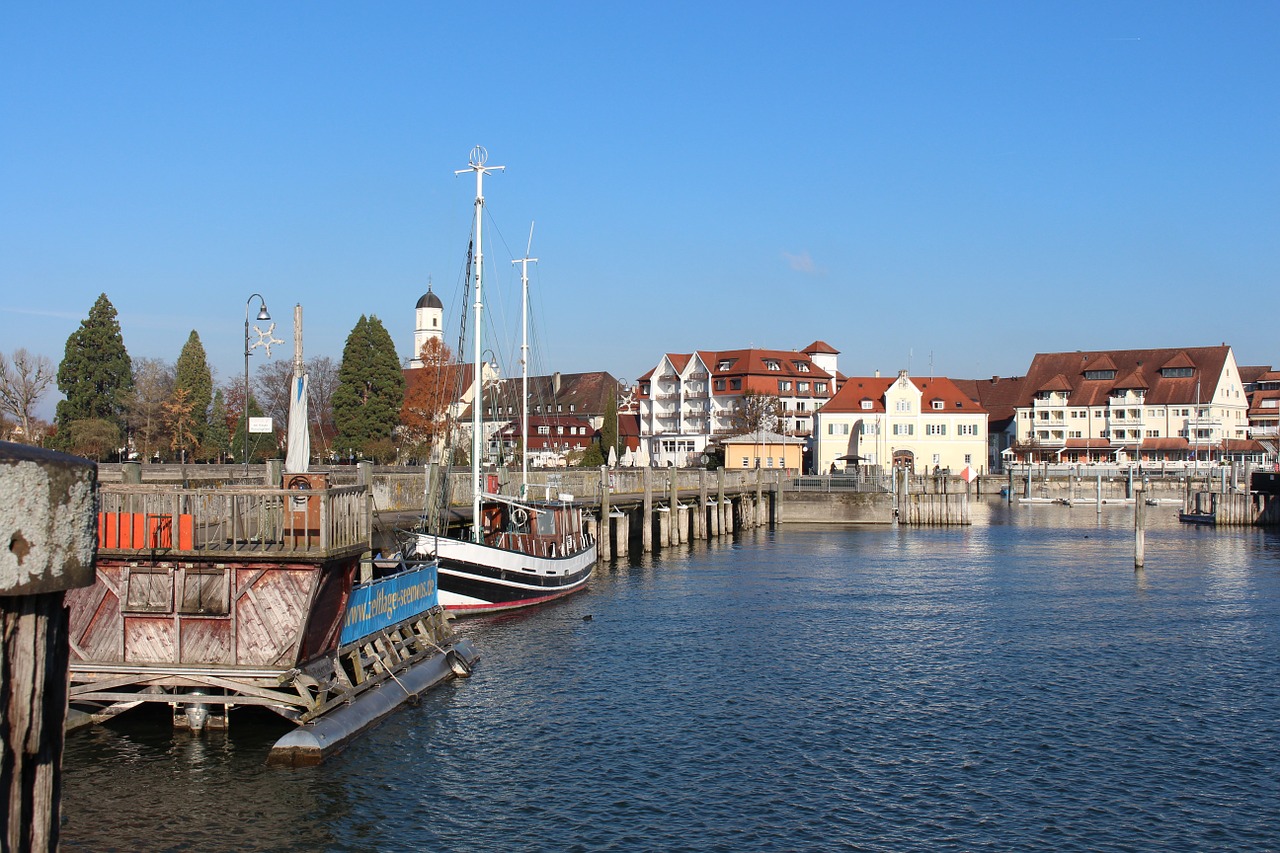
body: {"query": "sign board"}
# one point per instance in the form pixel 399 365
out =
pixel 385 602
pixel 262 425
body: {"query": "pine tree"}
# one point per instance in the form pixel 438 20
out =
pixel 192 375
pixel 609 429
pixel 95 374
pixel 370 392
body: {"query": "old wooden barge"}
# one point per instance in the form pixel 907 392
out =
pixel 218 598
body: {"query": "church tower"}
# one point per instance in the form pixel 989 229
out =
pixel 428 324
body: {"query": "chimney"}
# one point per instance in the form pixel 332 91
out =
pixel 877 374
pixel 555 382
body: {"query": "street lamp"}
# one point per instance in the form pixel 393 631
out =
pixel 262 315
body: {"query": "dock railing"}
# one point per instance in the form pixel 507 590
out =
pixel 233 519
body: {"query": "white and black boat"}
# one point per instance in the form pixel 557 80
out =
pixel 519 552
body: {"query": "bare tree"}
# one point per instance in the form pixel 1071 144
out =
pixel 757 411
pixel 23 382
pixel 323 380
pixel 271 388
pixel 153 380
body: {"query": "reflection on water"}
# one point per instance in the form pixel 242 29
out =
pixel 1009 685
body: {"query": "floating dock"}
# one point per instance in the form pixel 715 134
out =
pixel 213 599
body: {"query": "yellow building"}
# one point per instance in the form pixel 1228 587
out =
pixel 913 423
pixel 763 449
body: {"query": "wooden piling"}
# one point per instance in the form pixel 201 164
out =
pixel 673 502
pixel 646 513
pixel 622 536
pixel 700 517
pixel 720 504
pixel 604 545
pixel 48 527
pixel 1139 529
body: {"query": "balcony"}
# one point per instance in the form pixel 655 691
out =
pixel 698 375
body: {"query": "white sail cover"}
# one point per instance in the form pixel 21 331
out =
pixel 298 457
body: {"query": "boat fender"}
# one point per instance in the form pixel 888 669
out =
pixel 460 667
pixel 551 549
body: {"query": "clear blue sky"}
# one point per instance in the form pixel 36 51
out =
pixel 979 181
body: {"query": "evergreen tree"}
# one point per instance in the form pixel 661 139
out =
pixel 217 438
pixel 609 429
pixel 95 374
pixel 370 392
pixel 592 457
pixel 192 375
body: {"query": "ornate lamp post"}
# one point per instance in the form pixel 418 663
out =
pixel 265 341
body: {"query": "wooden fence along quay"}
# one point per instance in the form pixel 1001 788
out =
pixel 208 599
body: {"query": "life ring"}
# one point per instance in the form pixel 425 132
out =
pixel 520 516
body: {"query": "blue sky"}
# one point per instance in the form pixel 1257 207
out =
pixel 964 182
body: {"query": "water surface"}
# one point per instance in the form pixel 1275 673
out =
pixel 1014 684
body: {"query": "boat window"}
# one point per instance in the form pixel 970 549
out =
pixel 546 523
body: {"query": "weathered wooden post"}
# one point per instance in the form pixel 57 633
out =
pixel 622 546
pixel 603 540
pixel 719 513
pixel 646 512
pixel 673 503
pixel 755 509
pixel 48 530
pixel 700 517
pixel 1139 528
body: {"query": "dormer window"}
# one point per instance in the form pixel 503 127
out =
pixel 1177 372
pixel 939 405
pixel 771 364
pixel 724 364
pixel 866 405
pixel 803 367
pixel 1099 374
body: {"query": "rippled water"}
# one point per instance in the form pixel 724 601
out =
pixel 1012 685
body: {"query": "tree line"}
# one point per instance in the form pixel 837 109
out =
pixel 117 408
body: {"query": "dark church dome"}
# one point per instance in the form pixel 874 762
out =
pixel 430 300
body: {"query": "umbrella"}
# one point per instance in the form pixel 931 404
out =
pixel 299 455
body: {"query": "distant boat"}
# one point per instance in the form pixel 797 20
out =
pixel 520 552
pixel 1198 518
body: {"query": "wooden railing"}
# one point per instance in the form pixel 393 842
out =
pixel 232 519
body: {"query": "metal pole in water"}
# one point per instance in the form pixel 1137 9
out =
pixel 1139 529
pixel 1099 493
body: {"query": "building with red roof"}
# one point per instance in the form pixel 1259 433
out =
pixel 690 399
pixel 1154 405
pixel 910 422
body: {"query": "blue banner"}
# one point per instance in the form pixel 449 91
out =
pixel 383 603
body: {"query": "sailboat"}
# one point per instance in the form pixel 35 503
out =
pixel 519 552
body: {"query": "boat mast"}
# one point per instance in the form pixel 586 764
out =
pixel 524 363
pixel 476 163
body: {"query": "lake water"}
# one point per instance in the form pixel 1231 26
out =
pixel 1011 685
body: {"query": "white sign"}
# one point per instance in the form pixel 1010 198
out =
pixel 260 425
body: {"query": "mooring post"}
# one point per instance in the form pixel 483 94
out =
pixel 1139 529
pixel 719 513
pixel 646 517
pixel 1099 499
pixel 673 530
pixel 776 517
pixel 700 518
pixel 603 538
pixel 759 496
pixel 622 547
pixel 48 529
